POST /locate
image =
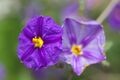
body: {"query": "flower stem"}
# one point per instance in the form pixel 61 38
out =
pixel 70 75
pixel 82 7
pixel 107 11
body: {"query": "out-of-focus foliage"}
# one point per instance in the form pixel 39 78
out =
pixel 12 21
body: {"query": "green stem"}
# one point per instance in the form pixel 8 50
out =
pixel 70 75
pixel 107 11
pixel 82 7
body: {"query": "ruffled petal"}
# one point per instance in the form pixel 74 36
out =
pixel 40 58
pixel 23 39
pixel 53 34
pixel 33 60
pixel 24 53
pixel 25 50
pixel 33 28
pixel 25 47
pixel 35 25
pixel 52 53
pixel 36 60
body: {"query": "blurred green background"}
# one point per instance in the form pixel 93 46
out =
pixel 12 18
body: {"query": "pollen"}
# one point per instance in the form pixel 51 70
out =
pixel 76 50
pixel 38 42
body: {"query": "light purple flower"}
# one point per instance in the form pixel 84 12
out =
pixel 114 17
pixel 39 42
pixel 83 44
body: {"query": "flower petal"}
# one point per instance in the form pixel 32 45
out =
pixel 25 50
pixel 27 32
pixel 79 64
pixel 69 34
pixel 81 32
pixel 46 56
pixel 53 34
pixel 94 52
pixel 23 39
pixel 36 24
pixel 92 30
pixel 35 60
pixel 52 53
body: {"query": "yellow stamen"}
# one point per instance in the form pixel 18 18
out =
pixel 76 50
pixel 38 42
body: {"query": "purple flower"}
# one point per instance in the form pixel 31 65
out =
pixel 40 42
pixel 71 11
pixel 51 73
pixel 2 72
pixel 114 17
pixel 32 9
pixel 83 44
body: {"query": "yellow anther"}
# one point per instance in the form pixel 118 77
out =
pixel 76 50
pixel 38 42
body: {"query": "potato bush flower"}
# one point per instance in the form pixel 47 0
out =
pixel 83 44
pixel 39 42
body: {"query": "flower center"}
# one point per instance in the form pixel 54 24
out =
pixel 76 50
pixel 38 42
